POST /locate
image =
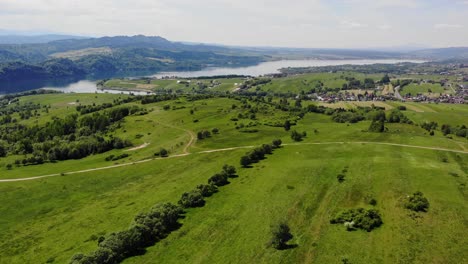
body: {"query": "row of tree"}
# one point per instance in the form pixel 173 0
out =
pixel 150 227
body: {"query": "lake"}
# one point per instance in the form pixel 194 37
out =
pixel 87 86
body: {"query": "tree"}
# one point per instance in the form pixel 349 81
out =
pixel 3 149
pixel 287 125
pixel 277 143
pixel 219 179
pixel 280 236
pixel 245 161
pixel 417 202
pixel 229 170
pixel 207 190
pixel 296 136
pixel 163 153
pixel 192 199
pixel 385 79
pixel 377 126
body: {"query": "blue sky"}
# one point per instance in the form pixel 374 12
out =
pixel 292 23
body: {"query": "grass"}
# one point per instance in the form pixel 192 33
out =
pixel 53 218
pixel 424 88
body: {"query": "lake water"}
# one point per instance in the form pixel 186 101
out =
pixel 86 86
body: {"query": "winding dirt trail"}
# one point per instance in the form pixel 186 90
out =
pixel 186 153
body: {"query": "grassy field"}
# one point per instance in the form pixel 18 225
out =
pixel 50 219
pixel 425 88
pixel 220 85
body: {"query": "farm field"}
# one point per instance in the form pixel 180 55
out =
pixel 52 218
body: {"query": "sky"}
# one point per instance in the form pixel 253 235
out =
pixel 280 23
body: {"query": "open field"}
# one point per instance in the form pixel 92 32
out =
pixel 174 85
pixel 425 88
pixel 50 219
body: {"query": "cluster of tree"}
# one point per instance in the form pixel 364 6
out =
pixel 259 153
pixel 221 178
pixel 417 202
pixel 460 131
pixel 151 227
pixel 157 98
pixel 203 134
pixel 378 122
pixel 359 218
pixel 54 68
pixel 87 109
pixel 146 229
pixel 347 117
pixel 396 116
pixel 296 136
pixel 353 83
pixel 254 82
pixel 66 138
pixel 195 198
pixel 429 126
pixel 114 158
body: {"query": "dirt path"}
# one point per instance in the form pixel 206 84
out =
pixel 221 150
pixel 144 145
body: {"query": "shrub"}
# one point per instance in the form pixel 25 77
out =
pixel 245 161
pixel 296 136
pixel 163 152
pixel 219 179
pixel 277 143
pixel 340 178
pixel 360 218
pixel 192 199
pixel 280 236
pixel 206 190
pixel 417 202
pixel 229 170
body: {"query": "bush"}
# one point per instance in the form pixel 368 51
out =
pixel 146 230
pixel 401 107
pixel 340 178
pixel 219 179
pixel 192 199
pixel 229 170
pixel 296 136
pixel 163 152
pixel 280 236
pixel 277 143
pixel 417 202
pixel 245 161
pixel 377 126
pixel 206 190
pixel 359 218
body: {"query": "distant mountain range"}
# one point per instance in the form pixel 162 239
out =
pixel 59 56
pixel 24 39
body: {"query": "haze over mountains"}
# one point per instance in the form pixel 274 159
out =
pixel 56 56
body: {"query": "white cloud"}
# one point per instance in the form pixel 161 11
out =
pixel 384 27
pixel 298 23
pixel 445 26
pixel 352 24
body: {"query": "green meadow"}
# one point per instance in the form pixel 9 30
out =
pixel 48 220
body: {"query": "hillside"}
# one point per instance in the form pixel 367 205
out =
pixel 92 166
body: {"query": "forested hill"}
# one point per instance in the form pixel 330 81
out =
pixel 114 55
pixel 141 55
